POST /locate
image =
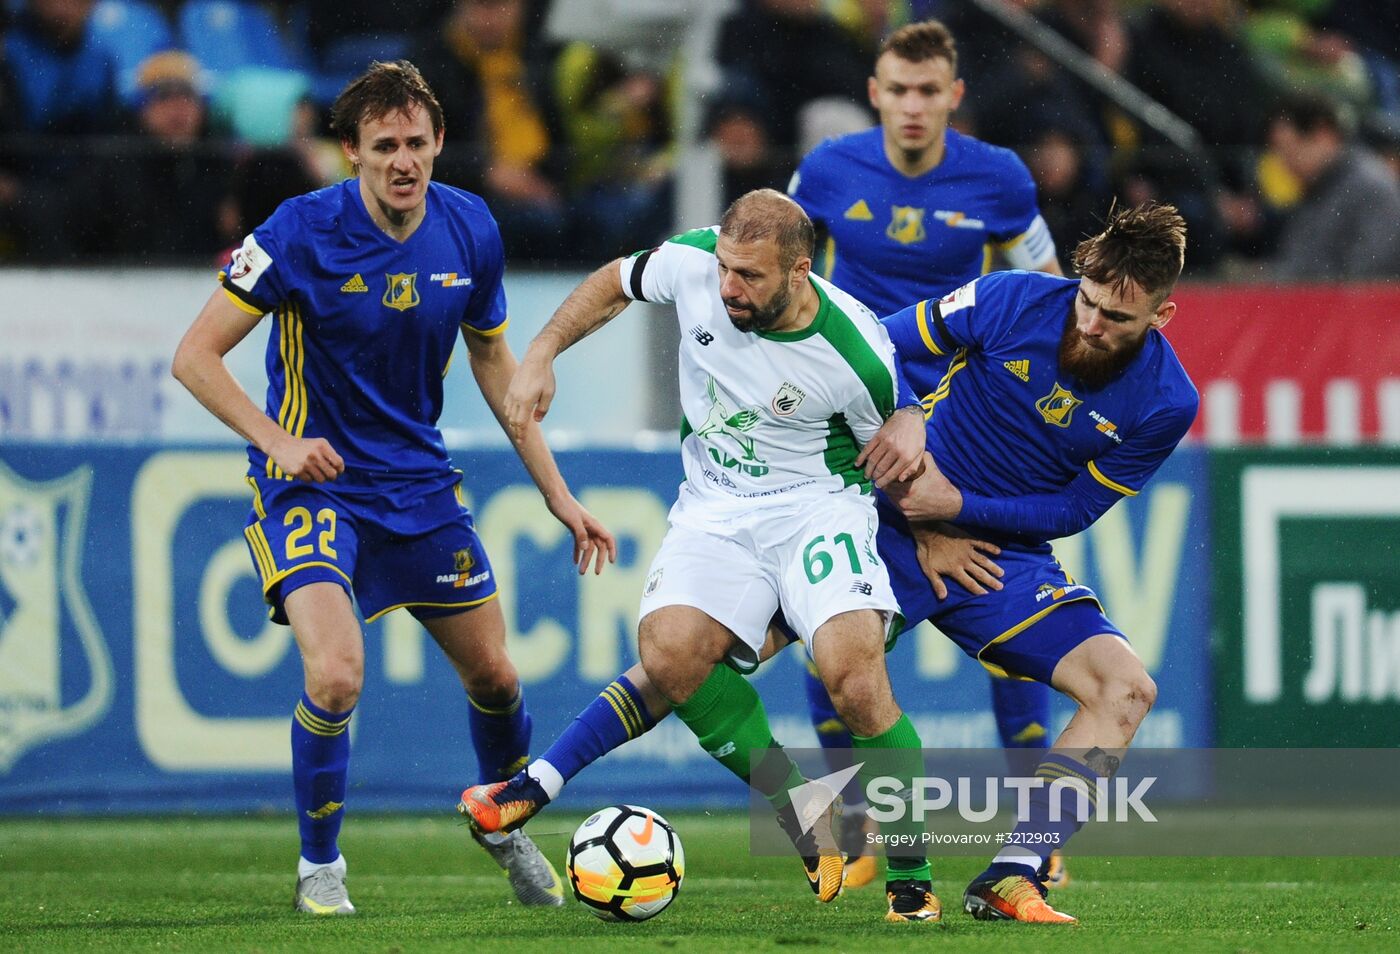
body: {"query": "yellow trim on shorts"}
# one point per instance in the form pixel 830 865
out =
pixel 242 305
pixel 1021 627
pixel 279 577
pixel 262 553
pixel 1110 484
pixel 921 319
pixel 469 605
pixel 257 499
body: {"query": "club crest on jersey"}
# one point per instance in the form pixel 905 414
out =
pixel 1057 406
pixel 787 399
pixel 906 224
pixel 463 561
pixel 402 291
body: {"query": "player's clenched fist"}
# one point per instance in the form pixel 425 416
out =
pixel 312 459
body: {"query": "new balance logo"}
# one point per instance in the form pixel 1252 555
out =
pixel 1022 369
pixel 701 335
pixel 356 284
pixel 862 587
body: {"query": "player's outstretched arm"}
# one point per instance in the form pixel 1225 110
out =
pixel 494 367
pixel 594 303
pixel 199 366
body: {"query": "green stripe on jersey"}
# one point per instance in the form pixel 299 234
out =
pixel 841 452
pixel 686 429
pixel 841 333
pixel 703 239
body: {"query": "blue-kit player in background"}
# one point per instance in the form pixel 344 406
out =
pixel 354 495
pixel 910 210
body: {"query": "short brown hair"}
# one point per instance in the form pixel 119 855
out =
pixel 1145 244
pixel 382 89
pixel 768 214
pixel 917 42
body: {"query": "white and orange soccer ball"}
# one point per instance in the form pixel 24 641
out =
pixel 625 863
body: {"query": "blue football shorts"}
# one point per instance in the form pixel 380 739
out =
pixel 302 533
pixel 1021 631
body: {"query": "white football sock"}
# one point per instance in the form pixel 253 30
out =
pixel 307 868
pixel 547 776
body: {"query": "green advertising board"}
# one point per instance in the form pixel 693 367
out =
pixel 1306 640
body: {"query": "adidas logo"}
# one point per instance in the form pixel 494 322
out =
pixel 860 212
pixel 1022 369
pixel 356 284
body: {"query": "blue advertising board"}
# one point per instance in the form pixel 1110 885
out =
pixel 139 673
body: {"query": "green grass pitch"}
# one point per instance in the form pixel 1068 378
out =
pixel 225 884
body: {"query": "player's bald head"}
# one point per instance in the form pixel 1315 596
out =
pixel 766 215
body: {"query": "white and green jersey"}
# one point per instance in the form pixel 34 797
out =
pixel 770 417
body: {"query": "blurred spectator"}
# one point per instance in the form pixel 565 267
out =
pixel 794 56
pixel 1074 197
pixel 1295 53
pixel 747 161
pixel 340 38
pixel 65 78
pixel 496 118
pixel 1344 226
pixel 869 21
pixel 163 195
pixel 618 136
pixel 1373 27
pixel 1189 55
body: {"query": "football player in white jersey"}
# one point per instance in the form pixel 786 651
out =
pixel 785 381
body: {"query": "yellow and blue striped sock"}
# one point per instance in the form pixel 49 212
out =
pixel 616 716
pixel 320 764
pixel 501 737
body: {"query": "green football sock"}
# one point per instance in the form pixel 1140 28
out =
pixel 730 722
pixel 900 756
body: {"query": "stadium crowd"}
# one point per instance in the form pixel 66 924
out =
pixel 161 131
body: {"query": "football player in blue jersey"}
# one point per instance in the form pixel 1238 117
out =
pixel 1057 398
pixel 913 209
pixel 354 495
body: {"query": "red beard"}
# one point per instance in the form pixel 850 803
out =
pixel 1094 366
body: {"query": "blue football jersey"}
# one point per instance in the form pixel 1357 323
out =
pixel 366 325
pixel 894 239
pixel 1005 420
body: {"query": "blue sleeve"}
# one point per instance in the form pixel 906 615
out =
pixel 262 271
pixel 904 394
pixel 1122 472
pixel 1127 468
pixel 1045 516
pixel 486 309
pixel 1018 202
pixel 974 316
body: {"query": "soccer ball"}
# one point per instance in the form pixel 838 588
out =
pixel 625 863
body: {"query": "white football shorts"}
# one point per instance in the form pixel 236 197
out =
pixel 813 559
